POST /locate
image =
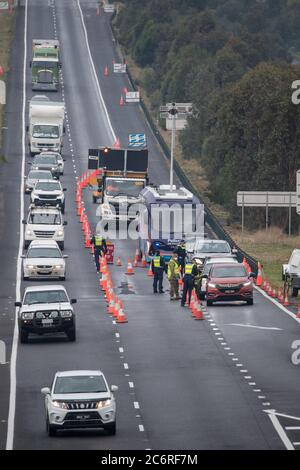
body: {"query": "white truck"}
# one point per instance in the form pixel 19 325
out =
pixel 291 272
pixel 46 125
pixel 45 64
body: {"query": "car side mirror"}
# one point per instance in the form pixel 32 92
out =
pixel 65 223
pixel 23 256
pixel 114 388
pixel 64 129
pixel 27 128
pixel 65 256
pixel 23 221
pixel 45 391
pixel 73 301
pixel 205 276
pixel 64 160
pixel 234 251
pixel 18 304
pixel 30 64
pixel 64 189
pixel 29 163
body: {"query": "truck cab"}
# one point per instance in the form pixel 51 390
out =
pixel 45 64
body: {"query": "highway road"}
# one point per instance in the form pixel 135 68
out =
pixel 182 384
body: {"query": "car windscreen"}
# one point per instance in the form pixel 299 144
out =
pixel 129 188
pixel 43 160
pixel 47 186
pixel 45 132
pixel 45 297
pixel 44 253
pixel 228 271
pixel 80 384
pixel 44 219
pixel 36 175
pixel 208 247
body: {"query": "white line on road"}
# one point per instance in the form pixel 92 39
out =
pixel 136 405
pixel 14 352
pixel 131 384
pixel 246 325
pixel 141 428
pixel 126 365
pixel 281 432
pixel 292 428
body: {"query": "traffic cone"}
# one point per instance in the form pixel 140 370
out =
pixel 98 11
pixel 103 281
pixel 138 254
pixel 111 307
pixel 264 286
pixel 106 71
pixel 298 312
pixel 286 300
pixel 150 273
pixel 117 144
pixel 199 313
pixel 119 261
pixel 259 279
pixel 1 70
pixel 122 101
pixel 144 262
pixel 87 241
pixel 121 315
pixel 129 268
pixel 135 263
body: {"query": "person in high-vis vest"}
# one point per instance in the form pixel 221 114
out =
pixel 173 277
pixel 158 268
pixel 181 253
pixel 99 247
pixel 190 272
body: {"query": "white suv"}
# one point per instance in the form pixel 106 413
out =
pixel 80 399
pixel 48 193
pixel 46 309
pixel 44 222
pixel 44 260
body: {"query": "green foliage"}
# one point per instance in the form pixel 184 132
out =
pixel 231 58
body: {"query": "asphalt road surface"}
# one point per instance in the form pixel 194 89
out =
pixel 182 384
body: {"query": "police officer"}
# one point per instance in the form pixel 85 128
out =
pixel 190 273
pixel 181 253
pixel 99 247
pixel 158 267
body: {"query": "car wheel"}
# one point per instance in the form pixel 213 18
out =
pixel 23 336
pixel 51 430
pixel 250 302
pixel 209 303
pixel 295 292
pixel 111 428
pixel 71 334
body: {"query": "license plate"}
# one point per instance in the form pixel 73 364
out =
pixel 47 321
pixel 82 417
pixel 229 292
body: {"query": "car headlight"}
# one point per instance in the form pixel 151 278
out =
pixel 53 314
pixel 60 404
pixel 211 284
pixel 28 315
pixel 66 313
pixel 58 266
pixel 53 168
pixel 30 266
pixel 247 284
pixel 39 315
pixel 103 403
pixel 60 233
pixel 28 232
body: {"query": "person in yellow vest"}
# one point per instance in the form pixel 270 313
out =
pixel 158 268
pixel 99 247
pixel 173 277
pixel 190 272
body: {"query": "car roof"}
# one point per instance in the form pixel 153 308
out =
pixel 69 373
pixel 41 171
pixel 43 288
pixel 43 243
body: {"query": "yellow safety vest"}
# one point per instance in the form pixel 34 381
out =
pixel 98 240
pixel 176 269
pixel 156 262
pixel 189 268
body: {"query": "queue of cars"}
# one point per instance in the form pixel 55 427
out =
pixel 223 277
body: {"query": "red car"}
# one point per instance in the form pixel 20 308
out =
pixel 229 281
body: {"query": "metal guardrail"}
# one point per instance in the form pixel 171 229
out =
pixel 211 219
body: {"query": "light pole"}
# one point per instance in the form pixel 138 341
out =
pixel 173 112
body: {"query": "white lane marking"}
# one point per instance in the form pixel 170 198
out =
pixel 257 390
pixel 246 325
pixel 248 377
pixel 131 384
pixel 291 314
pixel 244 371
pixel 235 359
pixel 126 365
pixel 136 405
pixel 261 397
pixel 141 428
pixel 14 352
pixel 121 350
pixel 283 415
pixel 292 428
pixel 296 443
pixel 239 365
pixel 251 383
pixel 95 74
pixel 230 354
pixel 117 335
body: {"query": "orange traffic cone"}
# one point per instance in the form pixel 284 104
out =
pixel 111 307
pixel 135 263
pixel 106 71
pixel 286 300
pixel 138 254
pixel 117 144
pixel 129 268
pixel 144 262
pixel 122 101
pixel 259 279
pixel 150 273
pixel 298 312
pixel 121 315
pixel 199 313
pixel 119 261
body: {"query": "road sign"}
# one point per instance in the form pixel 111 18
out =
pixel 298 192
pixel 4 6
pixel 132 97
pixel 266 198
pixel 119 68
pixel 108 8
pixel 2 92
pixel 186 108
pixel 137 140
